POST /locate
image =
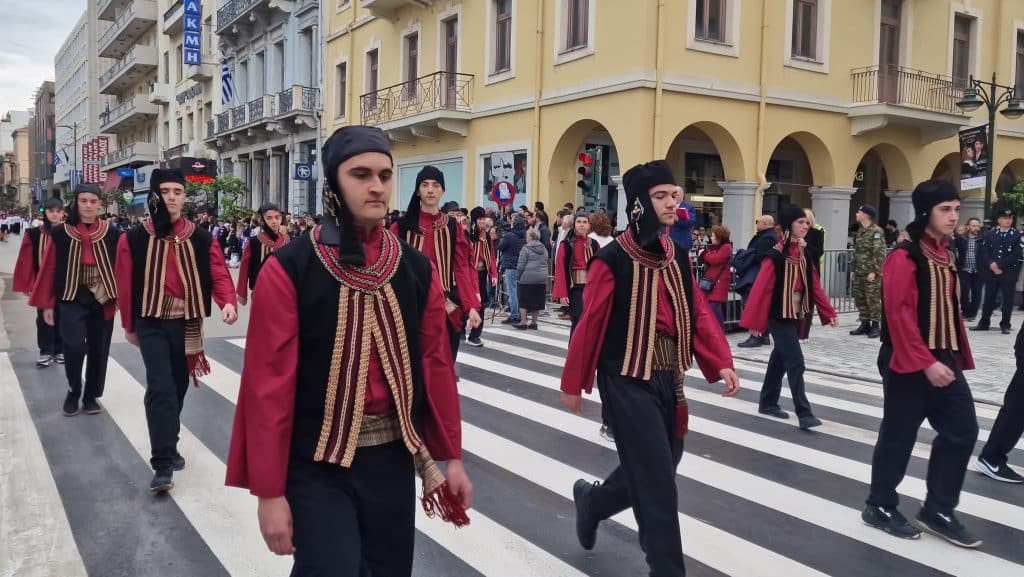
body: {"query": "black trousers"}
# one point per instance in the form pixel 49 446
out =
pixel 909 400
pixel 575 306
pixel 971 284
pixel 787 359
pixel 162 343
pixel 47 337
pixel 86 336
pixel 1009 425
pixel 1003 286
pixel 355 522
pixel 484 279
pixel 643 415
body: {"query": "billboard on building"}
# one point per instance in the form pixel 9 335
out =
pixel 504 166
pixel 91 162
pixel 973 157
pixel 102 149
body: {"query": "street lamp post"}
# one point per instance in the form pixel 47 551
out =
pixel 980 93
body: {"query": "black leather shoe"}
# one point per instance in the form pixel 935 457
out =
pixel 750 343
pixel 71 405
pixel 809 422
pixel 874 331
pixel 1006 330
pixel 773 412
pixel 91 407
pixel 162 481
pixel 861 330
pixel 178 463
pixel 586 525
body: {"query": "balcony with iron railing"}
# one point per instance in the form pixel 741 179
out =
pixel 176 151
pixel 108 9
pixel 232 10
pixel 297 99
pixel 887 95
pixel 442 100
pixel 130 25
pixel 130 112
pixel 270 109
pixel 174 18
pixel 127 71
pixel 134 153
pixel 386 8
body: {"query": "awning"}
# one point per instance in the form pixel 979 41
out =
pixel 113 181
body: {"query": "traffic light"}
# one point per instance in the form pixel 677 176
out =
pixel 586 173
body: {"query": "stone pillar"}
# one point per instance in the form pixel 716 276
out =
pixel 972 207
pixel 831 206
pixel 738 209
pixel 621 212
pixel 901 209
pixel 275 181
pixel 258 193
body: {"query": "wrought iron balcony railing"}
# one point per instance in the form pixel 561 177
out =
pixel 437 91
pixel 210 129
pixel 906 87
pixel 176 151
pixel 230 11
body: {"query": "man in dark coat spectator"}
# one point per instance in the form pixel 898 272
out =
pixel 747 263
pixel 509 247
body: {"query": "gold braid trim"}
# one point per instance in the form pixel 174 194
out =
pixel 44 239
pixel 335 373
pixel 443 256
pixel 71 278
pixel 632 319
pixel 365 343
pixel 651 278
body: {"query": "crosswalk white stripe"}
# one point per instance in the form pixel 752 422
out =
pixel 705 543
pixel 831 516
pixel 983 507
pixel 485 545
pixel 225 517
pixel 35 535
pixel 817 398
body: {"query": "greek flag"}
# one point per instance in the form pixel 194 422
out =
pixel 227 85
pixel 74 179
pixel 57 160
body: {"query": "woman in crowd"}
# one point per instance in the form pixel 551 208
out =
pixel 814 246
pixel 716 258
pixel 532 278
pixel 600 229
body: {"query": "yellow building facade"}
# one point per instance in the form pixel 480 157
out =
pixel 827 103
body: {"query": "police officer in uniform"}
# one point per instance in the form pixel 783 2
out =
pixel 869 253
pixel 1000 253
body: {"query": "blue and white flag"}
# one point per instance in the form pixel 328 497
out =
pixel 57 160
pixel 74 179
pixel 227 85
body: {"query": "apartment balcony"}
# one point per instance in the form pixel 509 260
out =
pixel 891 95
pixel 135 154
pixel 421 108
pixel 174 18
pixel 387 8
pixel 128 115
pixel 281 114
pixel 161 93
pixel 130 25
pixel 204 71
pixel 126 72
pixel 108 9
pixel 235 12
pixel 297 104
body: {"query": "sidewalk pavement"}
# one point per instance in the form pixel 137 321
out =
pixel 834 351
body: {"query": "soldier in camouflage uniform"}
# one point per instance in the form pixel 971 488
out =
pixel 869 253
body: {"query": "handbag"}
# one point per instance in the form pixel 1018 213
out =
pixel 707 284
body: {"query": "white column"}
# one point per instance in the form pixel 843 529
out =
pixel 738 209
pixel 621 212
pixel 258 194
pixel 831 206
pixel 972 207
pixel 901 209
pixel 276 195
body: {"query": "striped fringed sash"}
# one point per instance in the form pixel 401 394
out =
pixel 943 320
pixel 369 317
pixel 269 245
pixel 588 254
pixel 646 350
pixel 104 266
pixel 44 241
pixel 442 248
pixel 154 301
pixel 793 307
pixel 482 256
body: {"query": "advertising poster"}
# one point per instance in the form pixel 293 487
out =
pixel 973 157
pixel 501 168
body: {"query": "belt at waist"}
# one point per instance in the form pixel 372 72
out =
pixel 379 430
pixel 579 277
pixel 666 353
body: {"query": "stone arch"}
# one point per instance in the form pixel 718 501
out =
pixel 819 157
pixel 1008 176
pixel 948 168
pixel 721 140
pixel 561 174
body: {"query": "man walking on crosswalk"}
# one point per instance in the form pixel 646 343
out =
pixel 638 331
pixel 348 390
pixel 923 355
pixel 168 271
pixel 30 258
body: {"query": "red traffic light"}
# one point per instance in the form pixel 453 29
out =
pixel 586 159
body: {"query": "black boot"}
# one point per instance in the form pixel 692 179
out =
pixel 861 330
pixel 874 331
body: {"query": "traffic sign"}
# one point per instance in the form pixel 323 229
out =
pixel 303 171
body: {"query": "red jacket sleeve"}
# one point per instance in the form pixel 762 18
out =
pixel 42 291
pixel 560 290
pixel 24 268
pixel 587 339
pixel 465 274
pixel 710 347
pixel 123 276
pixel 223 289
pixel 262 431
pixel 442 427
pixel 759 305
pixel 821 300
pixel 242 289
